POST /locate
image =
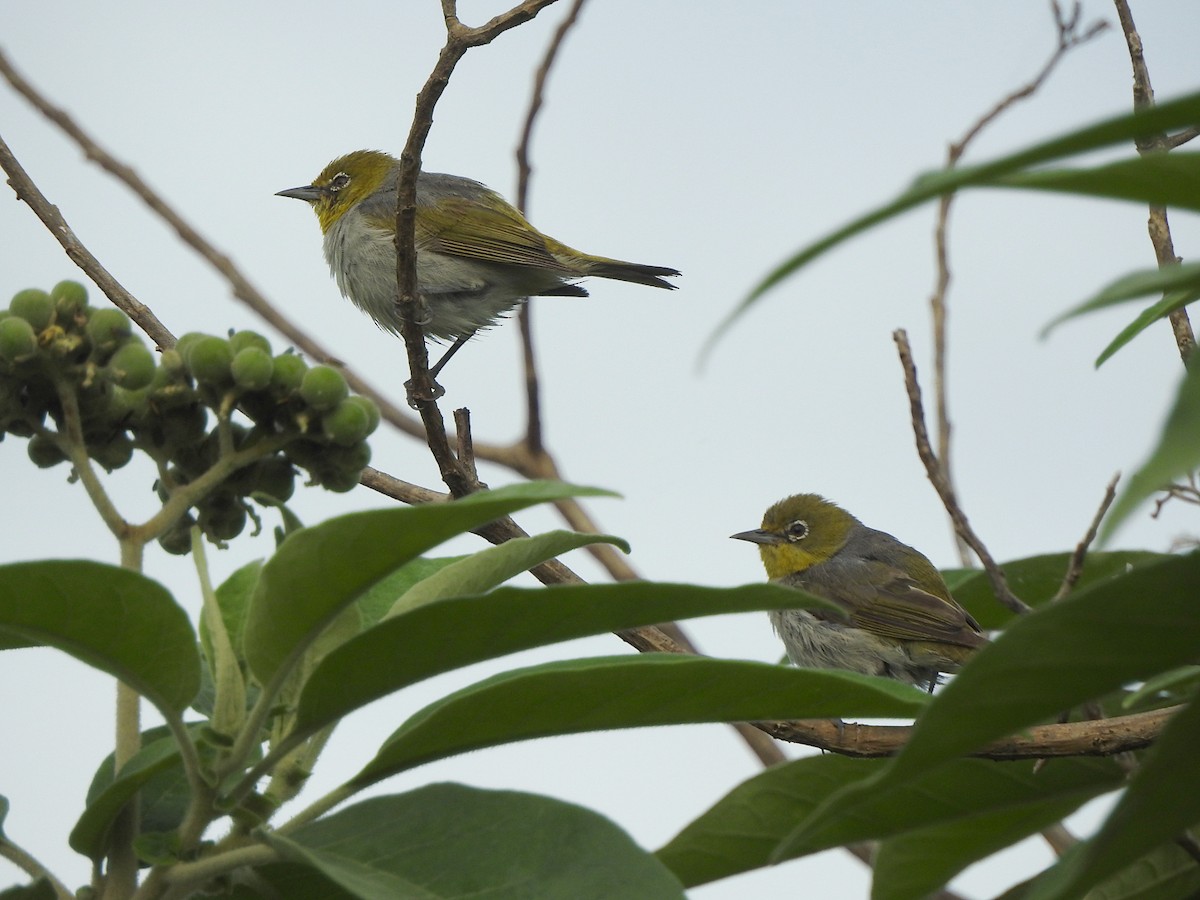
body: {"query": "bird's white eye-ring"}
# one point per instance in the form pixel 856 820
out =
pixel 796 531
pixel 339 181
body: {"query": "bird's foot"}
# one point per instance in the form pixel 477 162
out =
pixel 416 398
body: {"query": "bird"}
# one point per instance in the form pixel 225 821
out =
pixel 898 618
pixel 477 256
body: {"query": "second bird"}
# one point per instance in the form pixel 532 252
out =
pixel 899 618
pixel 477 256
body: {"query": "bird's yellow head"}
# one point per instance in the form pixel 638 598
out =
pixel 343 184
pixel 799 532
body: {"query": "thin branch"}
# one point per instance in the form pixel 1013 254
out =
pixel 1157 226
pixel 1075 566
pixel 28 192
pixel 941 483
pixel 1107 737
pixel 533 424
pixel 1068 37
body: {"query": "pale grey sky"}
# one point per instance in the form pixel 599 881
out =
pixel 712 137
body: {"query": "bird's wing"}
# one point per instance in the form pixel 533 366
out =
pixel 459 226
pixel 882 599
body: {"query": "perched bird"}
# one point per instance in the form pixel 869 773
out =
pixel 900 620
pixel 477 257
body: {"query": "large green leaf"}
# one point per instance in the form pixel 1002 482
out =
pixel 1178 113
pixel 916 863
pixel 1036 579
pixel 451 841
pixel 628 692
pixel 375 602
pixel 1166 873
pixel 319 571
pixel 1162 800
pixel 438 637
pixel 1176 454
pixel 482 571
pixel 113 619
pixel 750 827
pixel 1117 631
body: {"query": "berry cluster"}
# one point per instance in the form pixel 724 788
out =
pixel 74 376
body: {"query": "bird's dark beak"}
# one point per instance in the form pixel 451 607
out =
pixel 757 536
pixel 309 192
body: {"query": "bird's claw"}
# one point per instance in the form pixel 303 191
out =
pixel 416 398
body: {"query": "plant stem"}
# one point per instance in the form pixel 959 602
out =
pixel 318 807
pixel 25 861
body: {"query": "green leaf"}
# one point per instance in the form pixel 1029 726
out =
pixel 1170 685
pixel 916 863
pixel 583 695
pixel 37 890
pixel 1176 454
pixel 1174 114
pixel 233 596
pixel 450 841
pixel 1147 317
pixel 1036 579
pixel 1101 637
pixel 1166 873
pixel 107 795
pixel 374 604
pixel 1162 800
pixel 319 571
pixel 113 619
pixel 288 881
pixel 446 635
pixel 482 571
pixel 743 828
pixel 1177 281
pixel 1160 179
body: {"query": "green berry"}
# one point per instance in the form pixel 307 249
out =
pixel 371 409
pixel 323 388
pixel 17 340
pixel 183 426
pixel 347 423
pixel 44 451
pixel 287 373
pixel 251 368
pixel 184 345
pixel 108 328
pixel 209 360
pixel 240 340
pixel 114 453
pixel 34 306
pixel 177 539
pixel 70 298
pixel 275 477
pixel 222 517
pixel 132 366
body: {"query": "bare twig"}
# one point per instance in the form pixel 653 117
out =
pixel 1158 226
pixel 1090 738
pixel 1075 566
pixel 459 39
pixel 27 191
pixel 942 484
pixel 533 406
pixel 1069 36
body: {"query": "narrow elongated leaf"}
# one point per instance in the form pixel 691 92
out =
pixel 1162 800
pixel 1173 114
pixel 449 634
pixel 319 571
pixel 450 841
pixel 1162 179
pixel 489 568
pixel 375 602
pixel 1176 454
pixel 115 620
pixel 233 596
pixel 1147 317
pixel 1167 873
pixel 629 692
pixel 1118 631
pixel 1177 280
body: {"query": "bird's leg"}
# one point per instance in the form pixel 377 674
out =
pixel 438 390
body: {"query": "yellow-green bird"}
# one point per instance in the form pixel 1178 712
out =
pixel 899 618
pixel 477 256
